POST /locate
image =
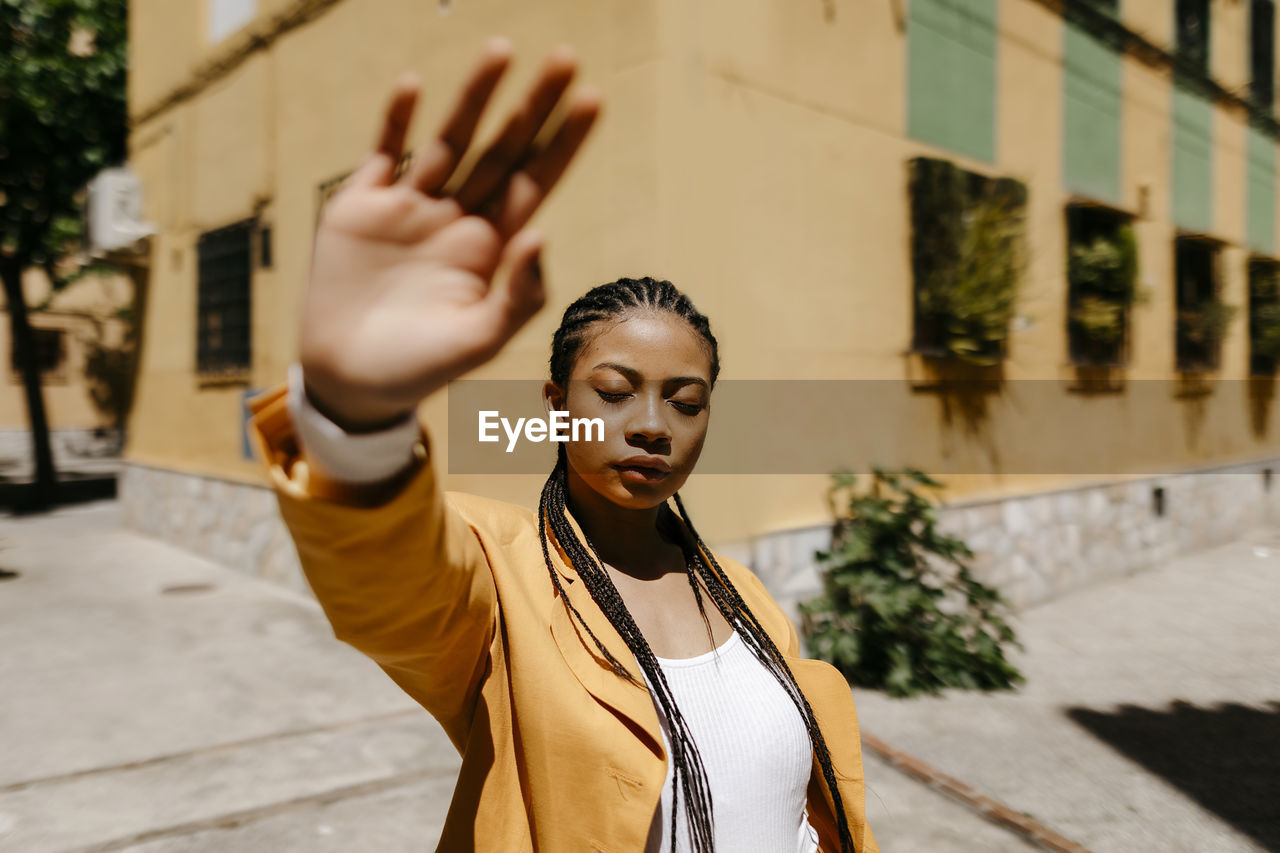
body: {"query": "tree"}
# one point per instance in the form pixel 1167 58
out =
pixel 63 117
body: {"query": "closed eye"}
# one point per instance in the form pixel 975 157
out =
pixel 687 408
pixel 611 398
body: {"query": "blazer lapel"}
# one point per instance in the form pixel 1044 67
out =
pixel 629 699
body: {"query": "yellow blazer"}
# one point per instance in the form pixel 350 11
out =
pixel 450 595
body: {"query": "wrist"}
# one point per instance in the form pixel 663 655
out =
pixel 349 411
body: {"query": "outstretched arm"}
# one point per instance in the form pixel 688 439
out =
pixel 401 299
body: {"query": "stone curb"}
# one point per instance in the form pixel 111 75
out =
pixel 994 811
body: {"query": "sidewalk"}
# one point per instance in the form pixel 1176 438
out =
pixel 1151 716
pixel 156 702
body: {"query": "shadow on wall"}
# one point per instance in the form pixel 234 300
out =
pixel 1225 758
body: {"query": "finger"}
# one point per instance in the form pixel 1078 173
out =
pixel 511 307
pixel 440 156
pixel 513 143
pixel 527 188
pixel 379 167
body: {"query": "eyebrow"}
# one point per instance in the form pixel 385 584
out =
pixel 634 375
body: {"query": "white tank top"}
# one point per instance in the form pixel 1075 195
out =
pixel 755 749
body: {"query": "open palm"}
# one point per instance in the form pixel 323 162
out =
pixel 400 298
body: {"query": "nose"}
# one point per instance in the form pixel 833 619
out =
pixel 648 424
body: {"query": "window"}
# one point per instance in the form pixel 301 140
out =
pixel 1262 16
pixel 1264 316
pixel 1102 272
pixel 1202 319
pixel 966 260
pixel 1193 33
pixel 50 346
pixel 224 298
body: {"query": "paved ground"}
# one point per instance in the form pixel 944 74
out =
pixel 1151 716
pixel 153 701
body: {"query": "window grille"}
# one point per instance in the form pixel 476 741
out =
pixel 224 298
pixel 1196 275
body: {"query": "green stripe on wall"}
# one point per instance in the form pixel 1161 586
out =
pixel 1091 116
pixel 1260 197
pixel 1192 160
pixel 951 75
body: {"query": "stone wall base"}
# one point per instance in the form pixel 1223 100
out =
pixel 1034 548
pixel 235 524
pixel 71 449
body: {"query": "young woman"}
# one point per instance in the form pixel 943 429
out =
pixel 612 684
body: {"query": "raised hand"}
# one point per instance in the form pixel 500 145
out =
pixel 400 298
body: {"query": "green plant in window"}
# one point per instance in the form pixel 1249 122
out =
pixel 982 298
pixel 1100 320
pixel 1264 319
pixel 1104 281
pixel 1207 323
pixel 901 611
pixel 966 258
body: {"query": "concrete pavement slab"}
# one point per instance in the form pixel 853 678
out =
pixel 1151 716
pixel 156 702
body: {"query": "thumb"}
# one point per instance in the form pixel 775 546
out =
pixel 525 292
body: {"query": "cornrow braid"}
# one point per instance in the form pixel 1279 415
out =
pixel 613 302
pixel 767 652
pixel 590 570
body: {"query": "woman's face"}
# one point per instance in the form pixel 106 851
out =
pixel 648 377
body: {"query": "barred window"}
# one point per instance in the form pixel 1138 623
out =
pixel 1201 317
pixel 224 299
pixel 1262 50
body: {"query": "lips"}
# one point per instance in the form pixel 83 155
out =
pixel 642 469
pixel 644 463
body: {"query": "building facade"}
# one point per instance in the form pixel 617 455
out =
pixel 88 317
pixel 807 173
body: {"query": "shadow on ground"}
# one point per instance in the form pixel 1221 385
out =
pixel 1226 758
pixel 20 496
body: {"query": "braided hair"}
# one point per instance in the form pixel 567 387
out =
pixel 612 302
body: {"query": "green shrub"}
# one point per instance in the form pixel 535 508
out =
pixel 967 259
pixel 901 611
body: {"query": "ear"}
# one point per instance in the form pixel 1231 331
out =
pixel 553 398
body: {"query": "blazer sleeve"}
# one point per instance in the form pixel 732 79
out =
pixel 400 575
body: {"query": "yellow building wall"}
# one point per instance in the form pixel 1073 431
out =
pixel 752 152
pixel 86 312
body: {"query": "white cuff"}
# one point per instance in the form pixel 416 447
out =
pixel 348 457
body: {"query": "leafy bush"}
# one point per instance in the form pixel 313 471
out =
pixel 967 261
pixel 901 611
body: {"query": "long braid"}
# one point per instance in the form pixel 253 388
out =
pixel 610 302
pixel 767 652
pixel 552 512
